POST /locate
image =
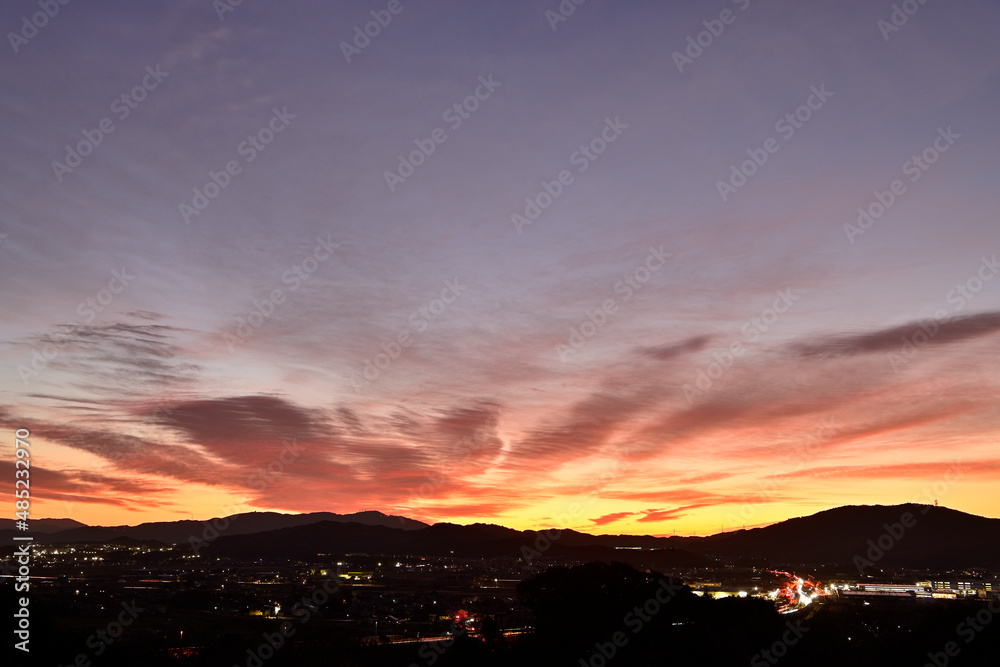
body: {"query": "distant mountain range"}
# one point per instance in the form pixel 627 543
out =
pixel 325 539
pixel 911 535
pixel 68 530
pixel 860 537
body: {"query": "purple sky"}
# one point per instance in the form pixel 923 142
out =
pixel 161 406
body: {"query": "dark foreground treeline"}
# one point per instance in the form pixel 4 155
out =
pixel 596 614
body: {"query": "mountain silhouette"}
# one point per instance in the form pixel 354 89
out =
pixel 910 535
pixel 860 536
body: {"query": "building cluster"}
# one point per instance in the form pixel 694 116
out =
pixel 943 589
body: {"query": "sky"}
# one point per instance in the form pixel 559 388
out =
pixel 631 267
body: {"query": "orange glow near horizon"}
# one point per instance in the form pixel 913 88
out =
pixel 486 272
pixel 599 494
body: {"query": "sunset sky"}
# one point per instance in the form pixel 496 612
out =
pixel 578 309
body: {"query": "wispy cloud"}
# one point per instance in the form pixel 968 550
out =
pixel 611 518
pixel 892 339
pixel 672 350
